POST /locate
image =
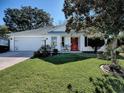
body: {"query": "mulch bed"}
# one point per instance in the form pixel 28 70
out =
pixel 112 69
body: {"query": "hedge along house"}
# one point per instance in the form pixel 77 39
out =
pixel 56 36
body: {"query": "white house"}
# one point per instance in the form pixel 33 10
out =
pixel 32 40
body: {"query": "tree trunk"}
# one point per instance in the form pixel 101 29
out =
pixel 113 52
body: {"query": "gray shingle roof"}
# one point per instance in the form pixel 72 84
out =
pixel 41 31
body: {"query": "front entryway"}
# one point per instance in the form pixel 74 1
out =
pixel 74 44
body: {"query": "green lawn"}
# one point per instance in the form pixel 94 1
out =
pixel 57 74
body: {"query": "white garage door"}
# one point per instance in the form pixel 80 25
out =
pixel 28 43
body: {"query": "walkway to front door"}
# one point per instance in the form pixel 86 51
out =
pixel 74 44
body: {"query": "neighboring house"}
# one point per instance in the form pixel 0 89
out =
pixel 56 37
pixel 4 44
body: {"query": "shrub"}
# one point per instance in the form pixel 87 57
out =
pixel 37 54
pixel 44 51
pixel 120 49
pixel 104 55
pixel 55 51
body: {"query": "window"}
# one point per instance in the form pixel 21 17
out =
pixel 53 42
pixel 63 43
pixel 86 41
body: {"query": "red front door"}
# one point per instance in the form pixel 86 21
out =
pixel 74 44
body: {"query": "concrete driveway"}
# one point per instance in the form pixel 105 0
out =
pixel 11 58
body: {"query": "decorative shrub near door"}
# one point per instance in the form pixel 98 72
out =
pixel 45 51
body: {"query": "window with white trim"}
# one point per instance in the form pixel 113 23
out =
pixel 53 42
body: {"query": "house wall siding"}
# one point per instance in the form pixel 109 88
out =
pixel 59 43
pixel 11 43
pixel 81 42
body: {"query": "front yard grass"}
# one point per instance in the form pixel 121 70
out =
pixel 64 73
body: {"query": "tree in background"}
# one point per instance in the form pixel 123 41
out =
pixel 3 31
pixel 26 18
pixel 107 16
